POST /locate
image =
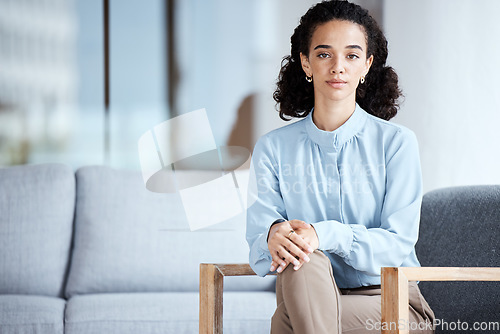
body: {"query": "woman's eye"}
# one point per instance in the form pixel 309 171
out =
pixel 323 55
pixel 352 56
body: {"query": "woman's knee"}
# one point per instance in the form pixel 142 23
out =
pixel 319 264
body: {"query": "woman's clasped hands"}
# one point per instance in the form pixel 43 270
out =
pixel 291 242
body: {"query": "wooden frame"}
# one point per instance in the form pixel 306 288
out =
pixel 395 289
pixel 395 299
pixel 211 288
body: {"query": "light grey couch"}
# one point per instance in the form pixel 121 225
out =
pixel 95 252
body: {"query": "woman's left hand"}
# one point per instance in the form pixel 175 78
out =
pixel 309 235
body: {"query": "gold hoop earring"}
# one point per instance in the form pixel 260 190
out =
pixel 309 79
pixel 362 80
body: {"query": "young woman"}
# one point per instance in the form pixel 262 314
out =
pixel 338 192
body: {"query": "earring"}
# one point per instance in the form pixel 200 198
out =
pixel 362 80
pixel 309 79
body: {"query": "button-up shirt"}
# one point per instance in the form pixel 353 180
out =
pixel 359 186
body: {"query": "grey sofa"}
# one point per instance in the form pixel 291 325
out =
pixel 459 227
pixel 95 252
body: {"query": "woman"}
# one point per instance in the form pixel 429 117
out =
pixel 338 192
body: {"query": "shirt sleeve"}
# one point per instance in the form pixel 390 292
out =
pixel 369 249
pixel 268 205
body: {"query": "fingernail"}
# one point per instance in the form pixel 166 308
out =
pixel 273 268
pixel 283 264
pixel 307 259
pixel 310 250
pixel 296 263
pixel 296 268
pixel 279 269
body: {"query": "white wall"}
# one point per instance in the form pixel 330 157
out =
pixel 446 54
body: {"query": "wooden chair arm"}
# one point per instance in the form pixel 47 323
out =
pixel 395 297
pixel 395 289
pixel 211 288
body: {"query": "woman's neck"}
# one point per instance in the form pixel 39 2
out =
pixel 331 116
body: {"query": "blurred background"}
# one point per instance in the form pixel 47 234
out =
pixel 169 57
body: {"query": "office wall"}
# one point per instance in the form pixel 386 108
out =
pixel 446 54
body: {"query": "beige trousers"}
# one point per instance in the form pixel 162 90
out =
pixel 309 302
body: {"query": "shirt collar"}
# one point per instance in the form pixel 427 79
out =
pixel 337 138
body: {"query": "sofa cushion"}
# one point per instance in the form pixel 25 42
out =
pixel 173 312
pixel 459 228
pixel 36 221
pixel 20 314
pixel 128 239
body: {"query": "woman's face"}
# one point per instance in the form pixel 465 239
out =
pixel 336 60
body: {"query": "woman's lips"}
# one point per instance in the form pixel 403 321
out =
pixel 336 83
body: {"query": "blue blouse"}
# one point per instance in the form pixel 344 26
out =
pixel 360 186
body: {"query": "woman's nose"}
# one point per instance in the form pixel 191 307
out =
pixel 337 66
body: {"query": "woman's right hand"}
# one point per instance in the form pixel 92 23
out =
pixel 286 247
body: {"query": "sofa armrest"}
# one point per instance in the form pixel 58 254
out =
pixel 395 289
pixel 211 288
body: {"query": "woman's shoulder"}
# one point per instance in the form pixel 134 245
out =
pixel 389 137
pixel 285 133
pixel 389 129
pixel 281 141
pixel 392 138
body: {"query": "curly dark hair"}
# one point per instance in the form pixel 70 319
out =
pixel 380 92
